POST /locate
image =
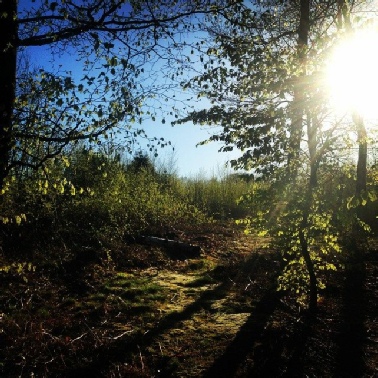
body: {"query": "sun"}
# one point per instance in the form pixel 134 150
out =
pixel 352 75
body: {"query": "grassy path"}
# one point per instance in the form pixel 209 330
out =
pixel 218 315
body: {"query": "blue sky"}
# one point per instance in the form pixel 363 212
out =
pixel 190 159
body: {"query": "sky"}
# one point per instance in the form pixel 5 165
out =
pixel 190 160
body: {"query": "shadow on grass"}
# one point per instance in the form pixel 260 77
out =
pixel 296 350
pixel 237 351
pixel 235 354
pixel 120 351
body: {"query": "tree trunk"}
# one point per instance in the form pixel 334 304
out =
pixel 313 300
pixel 312 133
pixel 8 53
pixel 299 90
pixel 299 109
pixel 359 236
pixel 362 155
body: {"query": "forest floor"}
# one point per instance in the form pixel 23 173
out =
pixel 165 314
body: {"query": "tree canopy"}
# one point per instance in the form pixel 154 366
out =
pixel 113 40
pixel 253 73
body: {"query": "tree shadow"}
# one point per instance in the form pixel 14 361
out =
pixel 244 342
pixel 352 334
pixel 120 350
pixel 282 354
pixel 261 350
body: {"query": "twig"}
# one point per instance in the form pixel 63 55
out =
pixel 91 331
pixel 119 336
pixel 173 298
pixel 249 284
pixel 78 338
pixel 141 358
pixel 50 335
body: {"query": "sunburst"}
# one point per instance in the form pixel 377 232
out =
pixel 352 74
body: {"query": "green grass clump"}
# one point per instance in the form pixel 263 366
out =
pixel 134 290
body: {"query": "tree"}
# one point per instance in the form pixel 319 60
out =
pixel 263 78
pixel 253 70
pixel 114 36
pixel 141 161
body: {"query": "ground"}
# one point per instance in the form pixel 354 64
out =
pixel 158 313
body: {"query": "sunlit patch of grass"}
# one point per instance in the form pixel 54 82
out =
pixel 134 291
pixel 202 281
pixel 200 265
pixel 122 293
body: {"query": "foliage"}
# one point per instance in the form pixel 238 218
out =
pixel 323 242
pixel 92 200
pixel 16 270
pixel 114 42
pixel 217 196
pixel 251 74
pixel 278 216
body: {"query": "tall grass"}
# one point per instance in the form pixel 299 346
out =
pixel 218 196
pixel 96 201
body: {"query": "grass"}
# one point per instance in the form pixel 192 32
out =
pixel 198 318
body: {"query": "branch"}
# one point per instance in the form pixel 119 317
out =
pixel 108 22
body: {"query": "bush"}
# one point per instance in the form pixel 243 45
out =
pixel 90 201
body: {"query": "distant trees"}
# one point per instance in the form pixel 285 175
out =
pixel 97 203
pixel 112 38
pixel 141 161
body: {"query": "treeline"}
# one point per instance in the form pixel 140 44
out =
pixel 95 203
pixel 96 200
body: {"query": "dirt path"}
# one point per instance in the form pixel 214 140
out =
pixel 217 315
pixel 239 327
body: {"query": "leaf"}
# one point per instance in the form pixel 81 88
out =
pixel 353 202
pixel 53 6
pixel 113 61
pixel 66 161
